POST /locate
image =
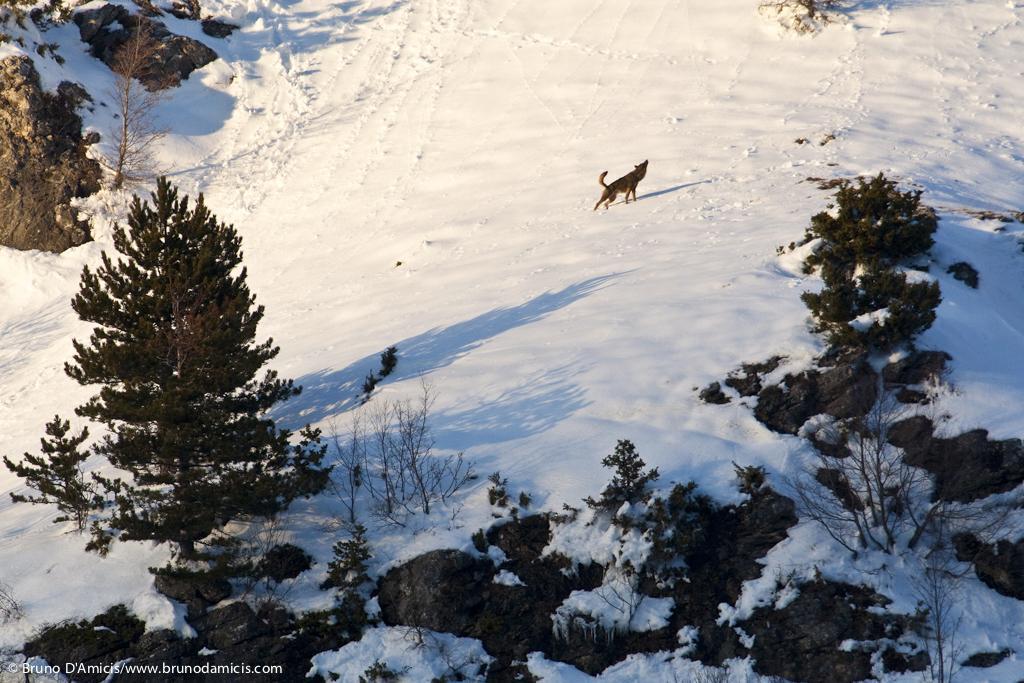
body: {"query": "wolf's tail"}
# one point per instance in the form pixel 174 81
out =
pixel 600 179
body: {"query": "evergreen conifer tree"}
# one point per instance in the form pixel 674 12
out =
pixel 629 481
pixel 347 571
pixel 866 301
pixel 175 357
pixel 57 475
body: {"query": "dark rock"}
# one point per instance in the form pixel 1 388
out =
pixel 905 395
pixel 284 561
pixel 231 625
pixel 166 645
pixel 840 487
pixel 801 641
pixel 784 408
pixel 43 162
pixel 106 639
pixel 900 662
pixel 984 660
pixel 967 467
pixel 195 593
pixel 747 380
pixel 916 368
pixel 731 541
pixel 240 636
pixel 846 387
pixel 442 590
pixel 965 273
pixel 216 28
pixel 523 540
pixel 107 28
pixel 849 389
pixel 1000 566
pixel 712 393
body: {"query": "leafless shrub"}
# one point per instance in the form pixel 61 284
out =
pixel 463 668
pixel 136 132
pixel 10 608
pixel 710 674
pixel 859 488
pixel 621 593
pixel 349 456
pixel 937 592
pixel 801 16
pixel 389 452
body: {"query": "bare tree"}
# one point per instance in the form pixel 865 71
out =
pixel 349 456
pixel 937 590
pixel 136 132
pixel 860 489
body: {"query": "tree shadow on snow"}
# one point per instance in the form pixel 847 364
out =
pixel 330 392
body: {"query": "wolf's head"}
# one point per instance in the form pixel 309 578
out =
pixel 641 170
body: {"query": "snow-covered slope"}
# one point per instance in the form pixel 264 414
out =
pixel 463 139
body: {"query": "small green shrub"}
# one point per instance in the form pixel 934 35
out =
pixel 630 480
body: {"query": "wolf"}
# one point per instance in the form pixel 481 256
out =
pixel 626 183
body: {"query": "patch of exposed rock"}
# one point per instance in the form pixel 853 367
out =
pixel 452 591
pixel 800 642
pixel 847 389
pixel 107 28
pixel 43 162
pixel 1000 566
pixel 229 636
pixel 911 374
pixel 968 466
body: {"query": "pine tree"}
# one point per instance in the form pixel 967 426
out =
pixel 57 475
pixel 347 571
pixel 873 229
pixel 629 481
pixel 175 356
pixel 388 361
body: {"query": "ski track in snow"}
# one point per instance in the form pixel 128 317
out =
pixel 464 140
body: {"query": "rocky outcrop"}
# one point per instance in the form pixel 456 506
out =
pixel 800 641
pixel 451 591
pixel 106 639
pixel 285 561
pixel 230 636
pixel 713 393
pixel 968 466
pixel 909 375
pixel 197 594
pixel 107 28
pixel 443 590
pixel 847 389
pixel 985 660
pixel 43 162
pixel 1000 566
pixel 215 28
pixel 747 380
pixel 734 539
